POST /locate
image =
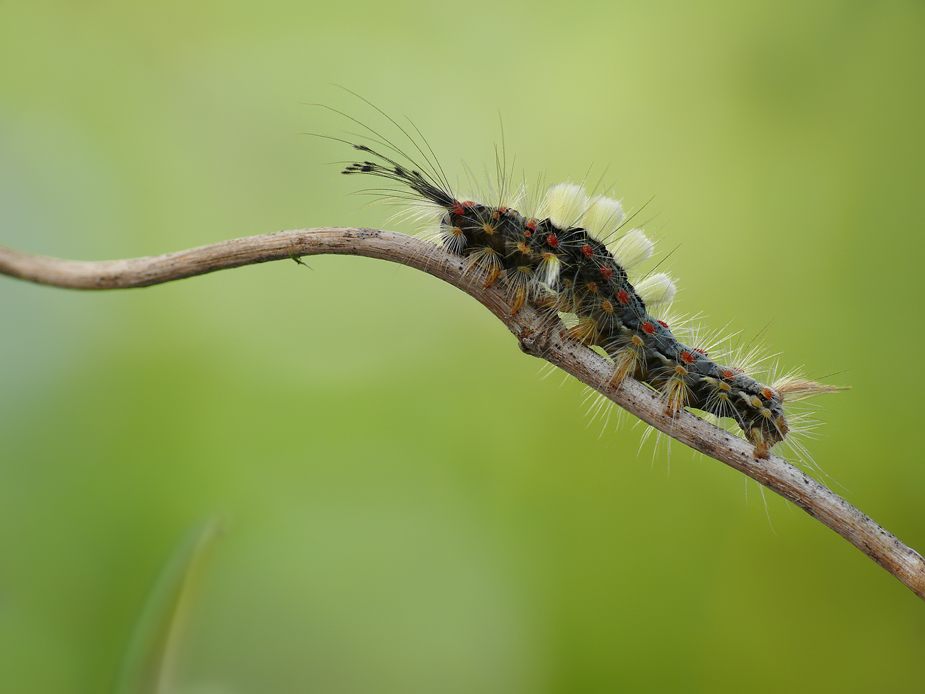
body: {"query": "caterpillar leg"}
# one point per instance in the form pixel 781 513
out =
pixel 489 260
pixel 520 280
pixel 758 439
pixel 585 331
pixel 767 433
pixel 520 295
pixel 676 393
pixel 627 361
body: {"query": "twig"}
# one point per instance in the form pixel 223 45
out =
pixel 536 334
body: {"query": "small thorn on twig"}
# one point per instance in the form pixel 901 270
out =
pixel 527 341
pixel 298 261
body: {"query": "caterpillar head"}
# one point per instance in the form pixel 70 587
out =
pixel 770 427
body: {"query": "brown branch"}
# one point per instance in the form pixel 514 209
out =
pixel 537 336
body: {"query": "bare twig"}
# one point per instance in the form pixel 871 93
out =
pixel 536 334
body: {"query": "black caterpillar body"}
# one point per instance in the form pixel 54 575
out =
pixel 563 258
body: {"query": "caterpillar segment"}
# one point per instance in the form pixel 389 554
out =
pixel 574 257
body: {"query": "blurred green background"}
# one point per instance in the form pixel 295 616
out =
pixel 408 506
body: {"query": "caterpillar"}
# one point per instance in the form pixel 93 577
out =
pixel 572 255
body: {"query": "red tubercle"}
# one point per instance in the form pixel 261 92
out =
pixel 468 203
pixel 623 297
pixel 701 351
pixel 552 240
pixel 606 271
pixel 648 328
pixel 687 357
pixel 531 225
pixel 663 323
pixel 728 374
pixel 457 208
pixel 588 251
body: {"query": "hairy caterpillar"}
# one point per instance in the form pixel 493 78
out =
pixel 572 255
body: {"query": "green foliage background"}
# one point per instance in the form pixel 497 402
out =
pixel 409 507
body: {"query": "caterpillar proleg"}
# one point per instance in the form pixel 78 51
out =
pixel 574 255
